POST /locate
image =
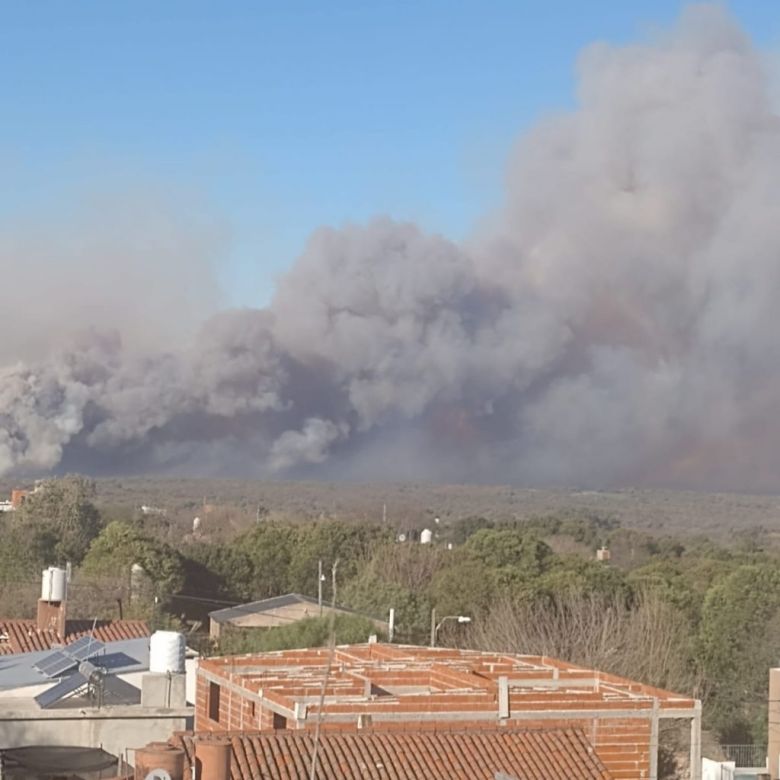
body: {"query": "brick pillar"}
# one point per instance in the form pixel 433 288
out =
pixel 51 617
pixel 773 743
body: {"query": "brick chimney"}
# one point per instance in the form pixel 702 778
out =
pixel 17 497
pixel 52 605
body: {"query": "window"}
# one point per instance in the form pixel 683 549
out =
pixel 214 702
pixel 280 722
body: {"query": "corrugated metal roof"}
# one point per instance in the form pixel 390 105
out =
pixel 258 607
pixel 549 754
pixel 23 636
pixel 280 602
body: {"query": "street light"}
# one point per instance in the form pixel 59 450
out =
pixel 436 626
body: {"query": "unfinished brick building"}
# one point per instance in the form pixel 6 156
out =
pixel 381 687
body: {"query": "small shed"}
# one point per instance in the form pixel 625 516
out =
pixel 276 611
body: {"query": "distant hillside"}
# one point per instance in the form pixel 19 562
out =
pixel 416 505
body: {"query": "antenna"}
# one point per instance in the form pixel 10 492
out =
pixel 331 654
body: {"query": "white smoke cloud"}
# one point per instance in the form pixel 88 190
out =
pixel 613 324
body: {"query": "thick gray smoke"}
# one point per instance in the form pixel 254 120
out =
pixel 614 324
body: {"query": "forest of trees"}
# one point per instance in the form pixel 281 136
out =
pixel 685 614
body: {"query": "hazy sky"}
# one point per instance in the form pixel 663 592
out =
pixel 279 117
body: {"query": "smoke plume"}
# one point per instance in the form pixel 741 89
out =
pixel 614 324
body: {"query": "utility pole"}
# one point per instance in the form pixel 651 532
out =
pixel 384 513
pixel 319 585
pixel 433 627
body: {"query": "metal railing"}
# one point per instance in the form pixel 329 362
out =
pixel 746 755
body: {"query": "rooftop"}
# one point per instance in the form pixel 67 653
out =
pixel 397 683
pixel 269 606
pixel 24 636
pixel 20 670
pixel 541 754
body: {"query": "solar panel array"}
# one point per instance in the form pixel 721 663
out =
pixel 63 688
pixel 55 664
pixel 60 661
pixel 82 653
pixel 84 648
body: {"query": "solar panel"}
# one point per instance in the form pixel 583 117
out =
pixel 84 648
pixel 61 690
pixel 55 664
pixel 49 659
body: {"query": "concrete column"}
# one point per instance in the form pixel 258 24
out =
pixel 654 742
pixel 696 744
pixel 503 697
pixel 773 730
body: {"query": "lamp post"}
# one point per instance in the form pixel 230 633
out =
pixel 436 626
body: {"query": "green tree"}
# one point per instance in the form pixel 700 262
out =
pixel 350 543
pixel 575 576
pixel 372 595
pixel 465 586
pixel 120 545
pixel 738 639
pixel 61 519
pixel 219 570
pixel 513 553
pixel 269 547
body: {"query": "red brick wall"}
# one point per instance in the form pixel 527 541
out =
pixel 623 744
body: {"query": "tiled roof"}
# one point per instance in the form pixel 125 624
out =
pixel 549 754
pixel 23 636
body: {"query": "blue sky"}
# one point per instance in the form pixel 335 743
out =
pixel 283 116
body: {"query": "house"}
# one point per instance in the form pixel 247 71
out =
pixel 140 706
pixel 276 611
pixel 16 500
pixel 86 684
pixel 52 628
pixel 385 688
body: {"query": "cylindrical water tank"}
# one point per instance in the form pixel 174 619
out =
pixel 166 652
pixel 159 759
pixel 53 584
pixel 426 536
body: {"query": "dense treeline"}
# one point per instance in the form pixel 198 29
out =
pixel 687 614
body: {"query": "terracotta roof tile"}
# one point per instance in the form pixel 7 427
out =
pixel 22 636
pixel 525 754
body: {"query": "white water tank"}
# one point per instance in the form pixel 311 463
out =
pixel 166 652
pixel 53 584
pixel 426 536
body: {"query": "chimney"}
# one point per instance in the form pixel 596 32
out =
pixel 212 759
pixel 17 497
pixel 773 733
pixel 52 605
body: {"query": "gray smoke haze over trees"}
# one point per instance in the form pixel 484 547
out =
pixel 614 324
